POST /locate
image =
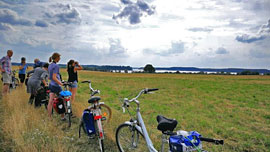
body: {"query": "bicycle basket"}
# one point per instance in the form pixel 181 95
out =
pixel 179 143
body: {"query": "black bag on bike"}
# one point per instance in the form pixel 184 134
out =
pixel 59 106
pixel 41 96
pixel 88 122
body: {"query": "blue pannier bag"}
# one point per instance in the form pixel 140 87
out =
pixel 88 122
pixel 180 143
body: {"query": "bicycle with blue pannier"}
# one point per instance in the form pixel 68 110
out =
pixel 133 136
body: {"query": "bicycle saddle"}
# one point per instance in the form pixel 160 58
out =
pixel 165 124
pixel 94 99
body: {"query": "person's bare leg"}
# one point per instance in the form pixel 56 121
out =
pixel 5 89
pixel 74 91
pixel 50 105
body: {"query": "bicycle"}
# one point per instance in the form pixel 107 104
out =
pixel 101 114
pixel 42 96
pixel 65 107
pixel 14 80
pixel 131 133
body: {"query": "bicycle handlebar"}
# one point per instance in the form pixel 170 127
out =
pixel 150 90
pixel 126 101
pixel 90 87
pixel 216 141
pixel 88 81
pixel 65 83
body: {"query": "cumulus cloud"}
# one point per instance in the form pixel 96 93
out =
pixel 64 14
pixel 200 29
pixel 134 11
pixel 222 50
pixel 263 33
pixel 41 23
pixel 11 17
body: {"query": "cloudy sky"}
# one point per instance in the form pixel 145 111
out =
pixel 200 33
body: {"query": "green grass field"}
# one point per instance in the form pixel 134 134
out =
pixel 233 108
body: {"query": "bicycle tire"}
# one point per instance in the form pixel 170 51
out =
pixel 105 109
pixel 69 119
pixel 130 139
pixel 101 144
pixel 16 82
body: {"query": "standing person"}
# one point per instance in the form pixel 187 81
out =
pixel 6 71
pixel 72 68
pixel 37 63
pixel 55 84
pixel 38 78
pixel 22 70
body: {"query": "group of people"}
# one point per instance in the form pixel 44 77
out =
pixel 40 75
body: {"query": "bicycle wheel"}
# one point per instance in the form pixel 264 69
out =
pixel 129 139
pixel 69 113
pixel 101 144
pixel 106 113
pixel 16 82
pixel 69 119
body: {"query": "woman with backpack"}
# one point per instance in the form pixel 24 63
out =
pixel 72 68
pixel 55 84
pixel 38 78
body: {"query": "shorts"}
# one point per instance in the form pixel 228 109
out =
pixel 22 77
pixel 55 89
pixel 6 78
pixel 74 84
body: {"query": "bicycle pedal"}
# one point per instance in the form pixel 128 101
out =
pixel 103 118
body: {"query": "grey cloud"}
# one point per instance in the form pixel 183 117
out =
pixel 67 14
pixel 11 17
pixel 176 48
pixel 126 1
pixel 116 48
pixel 41 23
pixel 134 11
pixel 259 53
pixel 5 27
pixel 263 33
pixel 245 38
pixel 200 29
pixel 222 50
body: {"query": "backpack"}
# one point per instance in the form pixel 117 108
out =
pixel 59 106
pixel 88 122
pixel 180 143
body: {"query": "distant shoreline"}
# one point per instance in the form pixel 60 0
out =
pixel 113 68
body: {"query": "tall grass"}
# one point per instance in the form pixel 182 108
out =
pixel 30 129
